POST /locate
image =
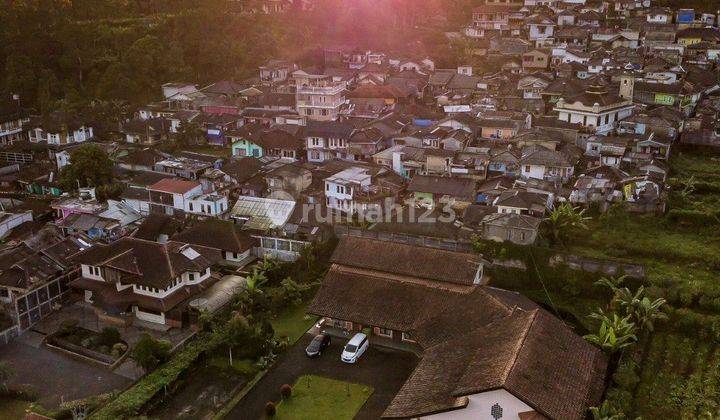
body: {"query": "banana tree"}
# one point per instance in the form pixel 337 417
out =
pixel 614 334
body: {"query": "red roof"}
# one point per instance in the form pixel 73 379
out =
pixel 173 185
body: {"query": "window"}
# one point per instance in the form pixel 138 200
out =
pixel 191 276
pixel 327 187
pixel 407 337
pixel 190 206
pixel 384 332
pixel 96 270
pixel 527 168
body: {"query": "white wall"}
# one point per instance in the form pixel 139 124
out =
pixel 158 319
pixel 479 406
pixel 88 274
pixel 241 256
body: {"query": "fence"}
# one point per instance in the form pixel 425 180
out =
pixel 16 157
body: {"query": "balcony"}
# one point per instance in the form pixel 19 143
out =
pixel 319 104
pixel 332 89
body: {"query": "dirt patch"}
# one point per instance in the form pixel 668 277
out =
pixel 201 390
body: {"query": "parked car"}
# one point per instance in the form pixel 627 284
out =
pixel 317 345
pixel 355 348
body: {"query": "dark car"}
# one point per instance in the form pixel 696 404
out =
pixel 317 345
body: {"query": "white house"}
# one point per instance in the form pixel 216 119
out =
pixel 342 189
pixel 498 404
pixel 171 195
pixel 596 108
pixel 143 279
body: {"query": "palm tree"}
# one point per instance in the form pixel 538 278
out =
pixel 614 334
pixel 563 220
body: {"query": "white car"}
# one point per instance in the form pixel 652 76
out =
pixel 355 348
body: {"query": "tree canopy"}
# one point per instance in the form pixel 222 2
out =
pixel 89 166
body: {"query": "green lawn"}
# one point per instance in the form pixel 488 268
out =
pixel 292 323
pixel 246 367
pixel 315 397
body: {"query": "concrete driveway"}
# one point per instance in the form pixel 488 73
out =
pixel 384 370
pixel 55 377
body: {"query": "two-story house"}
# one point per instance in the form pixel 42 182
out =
pixel 135 279
pixel 11 125
pixel 361 190
pixel 327 140
pixel 541 163
pixel 175 195
pixel 597 108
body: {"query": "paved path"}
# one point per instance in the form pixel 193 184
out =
pixel 384 370
pixel 55 376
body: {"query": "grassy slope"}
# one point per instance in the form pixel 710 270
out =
pixel 678 374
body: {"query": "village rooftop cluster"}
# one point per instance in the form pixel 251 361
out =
pixel 406 163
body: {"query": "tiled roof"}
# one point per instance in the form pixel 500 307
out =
pixel 473 340
pixel 215 233
pixel 147 263
pixel 408 260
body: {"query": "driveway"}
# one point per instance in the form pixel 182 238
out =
pixel 384 370
pixel 54 376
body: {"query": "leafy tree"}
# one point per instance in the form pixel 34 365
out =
pixel 614 334
pixel 89 166
pixel 150 353
pixel 236 332
pixel 563 221
pixel 188 134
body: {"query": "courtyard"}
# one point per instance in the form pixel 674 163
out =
pixel 379 373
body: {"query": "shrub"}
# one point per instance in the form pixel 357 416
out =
pixel 286 391
pixel 270 409
pixel 150 353
pixel 118 349
pixel 109 336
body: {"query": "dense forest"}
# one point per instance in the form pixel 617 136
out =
pixel 110 54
